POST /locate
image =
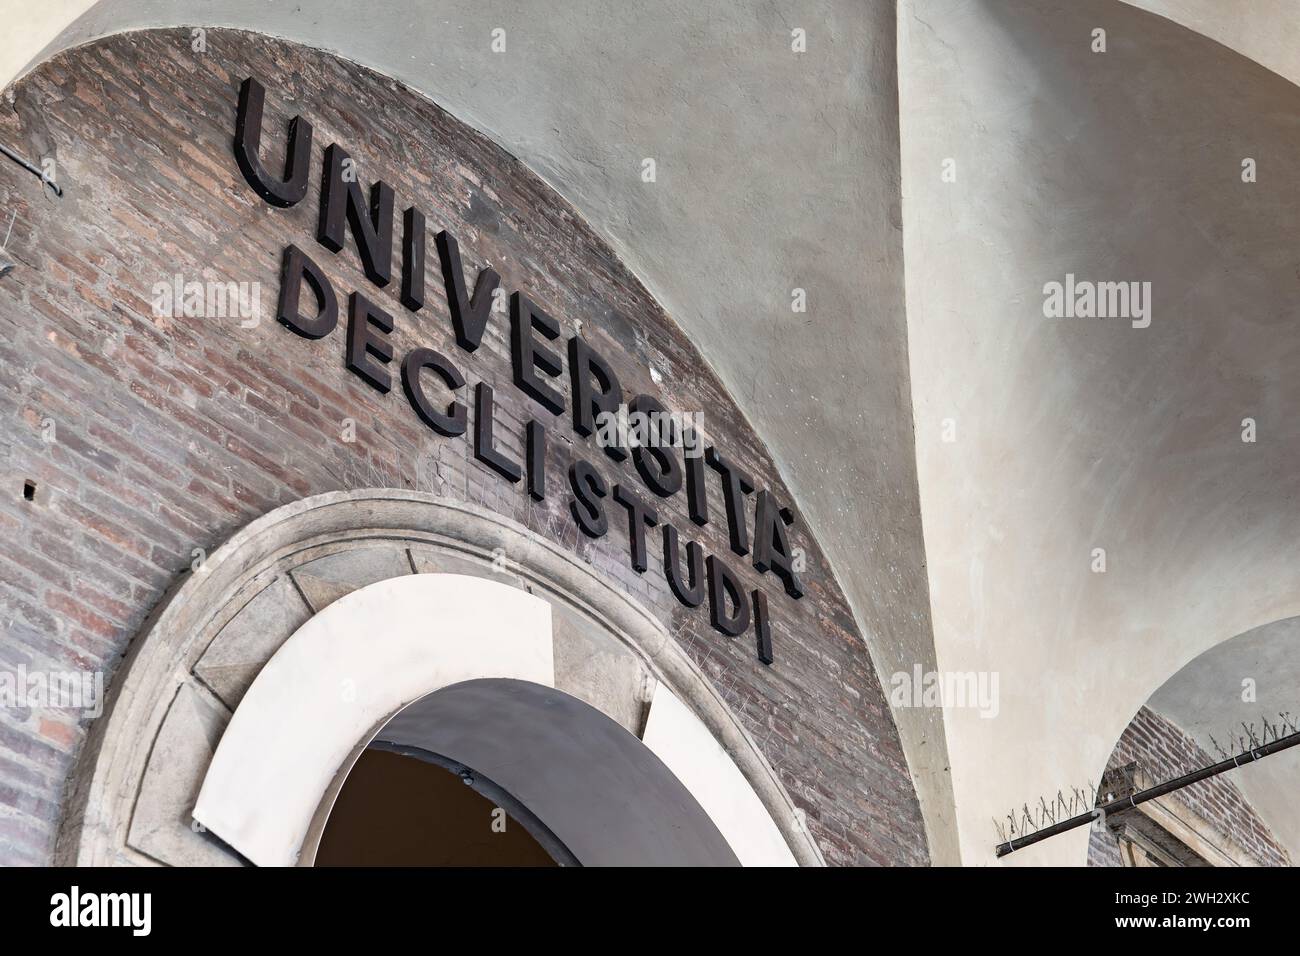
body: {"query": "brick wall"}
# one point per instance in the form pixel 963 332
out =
pixel 170 434
pixel 1162 751
pixel 1103 847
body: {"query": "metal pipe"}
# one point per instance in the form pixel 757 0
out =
pixel 35 171
pixel 1151 793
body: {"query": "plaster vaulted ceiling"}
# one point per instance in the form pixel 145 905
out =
pixel 1074 435
pixel 1267 31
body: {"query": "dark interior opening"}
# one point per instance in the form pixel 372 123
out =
pixel 399 810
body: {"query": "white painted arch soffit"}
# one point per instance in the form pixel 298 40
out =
pixel 345 672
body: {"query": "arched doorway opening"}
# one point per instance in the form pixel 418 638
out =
pixel 586 790
pixel 397 809
pixel 329 616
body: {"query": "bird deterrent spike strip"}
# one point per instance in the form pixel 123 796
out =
pixel 1024 821
pixel 1249 739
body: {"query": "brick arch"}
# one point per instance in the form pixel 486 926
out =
pixel 174 433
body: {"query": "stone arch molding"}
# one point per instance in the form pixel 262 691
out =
pixel 306 570
pixel 350 667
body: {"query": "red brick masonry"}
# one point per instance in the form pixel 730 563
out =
pixel 171 433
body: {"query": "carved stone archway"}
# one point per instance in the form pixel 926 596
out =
pixel 143 765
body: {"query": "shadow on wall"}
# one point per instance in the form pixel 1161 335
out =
pixel 1134 185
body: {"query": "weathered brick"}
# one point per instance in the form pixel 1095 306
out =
pixel 174 432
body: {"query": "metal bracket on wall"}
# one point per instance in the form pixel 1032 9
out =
pixel 1257 749
pixel 7 265
pixel 34 170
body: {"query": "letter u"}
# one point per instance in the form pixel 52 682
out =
pixel 248 140
pixel 692 594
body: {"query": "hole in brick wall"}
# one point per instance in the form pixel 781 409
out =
pixel 29 490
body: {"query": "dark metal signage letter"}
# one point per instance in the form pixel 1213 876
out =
pixel 299 267
pixel 762 627
pixel 690 592
pixel 485 449
pixel 468 315
pixel 588 490
pixel 372 227
pixel 724 586
pixel 735 485
pixel 367 326
pixel 413 259
pixel 697 494
pixel 536 454
pixel 528 356
pixel 451 422
pixel 771 544
pixel 664 477
pixel 584 366
pixel 639 517
pixel 292 188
